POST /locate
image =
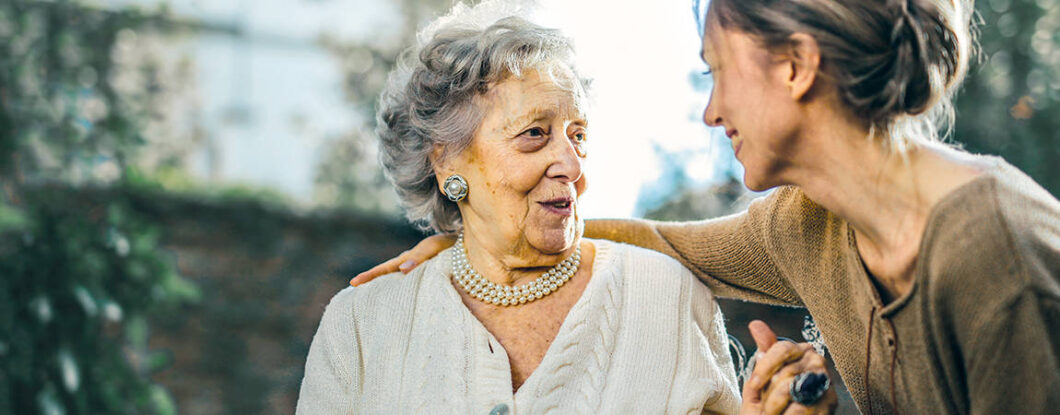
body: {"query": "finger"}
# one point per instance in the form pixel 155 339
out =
pixel 768 363
pixel 813 362
pixel 752 398
pixel 440 243
pixel 774 359
pixel 826 405
pixel 387 267
pixel 407 265
pixel 788 371
pixel 798 409
pixel 764 338
pixel 406 261
pixel 425 250
pixel 762 334
pixel 777 397
pixel 809 362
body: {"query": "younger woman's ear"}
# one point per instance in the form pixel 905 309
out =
pixel 804 58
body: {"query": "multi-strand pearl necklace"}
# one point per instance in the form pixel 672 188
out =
pixel 506 295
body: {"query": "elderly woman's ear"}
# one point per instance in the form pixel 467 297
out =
pixel 442 166
pixel 453 185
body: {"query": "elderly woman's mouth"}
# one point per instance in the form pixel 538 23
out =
pixel 560 206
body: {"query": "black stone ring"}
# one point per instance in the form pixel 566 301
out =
pixel 808 387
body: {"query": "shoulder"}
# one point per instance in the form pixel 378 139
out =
pixel 1031 220
pixel 794 214
pixel 798 233
pixel 649 274
pixel 636 261
pixel 1031 216
pixel 384 301
pixel 999 233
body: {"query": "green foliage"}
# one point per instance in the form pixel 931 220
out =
pixel 176 181
pixel 1010 104
pixel 78 277
pixel 62 115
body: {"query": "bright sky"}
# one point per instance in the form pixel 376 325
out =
pixel 641 55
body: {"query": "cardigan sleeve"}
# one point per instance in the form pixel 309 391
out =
pixel 731 255
pixel 711 322
pixel 331 373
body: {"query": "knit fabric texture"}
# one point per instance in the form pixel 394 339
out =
pixel 644 337
pixel 979 332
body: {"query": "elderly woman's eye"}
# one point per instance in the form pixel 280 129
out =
pixel 536 132
pixel 580 136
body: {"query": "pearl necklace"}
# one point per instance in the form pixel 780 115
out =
pixel 505 295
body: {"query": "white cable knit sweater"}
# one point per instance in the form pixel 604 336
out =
pixel 644 338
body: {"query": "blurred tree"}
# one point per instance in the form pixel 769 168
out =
pixel 692 203
pixel 676 197
pixel 78 276
pixel 349 174
pixel 1010 104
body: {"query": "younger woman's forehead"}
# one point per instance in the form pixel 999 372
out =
pixel 712 41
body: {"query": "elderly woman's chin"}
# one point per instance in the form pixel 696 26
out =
pixel 554 235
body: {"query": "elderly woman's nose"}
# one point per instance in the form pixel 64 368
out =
pixel 566 162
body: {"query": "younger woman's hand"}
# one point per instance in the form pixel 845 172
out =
pixel 768 391
pixel 407 260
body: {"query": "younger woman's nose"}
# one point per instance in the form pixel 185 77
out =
pixel 710 117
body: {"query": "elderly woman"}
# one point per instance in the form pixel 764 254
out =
pixel 485 135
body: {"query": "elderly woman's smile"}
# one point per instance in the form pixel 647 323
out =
pixel 560 206
pixel 524 168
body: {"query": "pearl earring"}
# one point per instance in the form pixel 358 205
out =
pixel 455 188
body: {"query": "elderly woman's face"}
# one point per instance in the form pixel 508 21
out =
pixel 524 164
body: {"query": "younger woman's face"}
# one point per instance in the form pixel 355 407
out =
pixel 752 101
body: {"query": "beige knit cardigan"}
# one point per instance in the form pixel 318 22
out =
pixel 644 338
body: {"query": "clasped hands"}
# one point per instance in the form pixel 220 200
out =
pixel 768 390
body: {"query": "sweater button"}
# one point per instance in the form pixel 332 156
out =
pixel 500 409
